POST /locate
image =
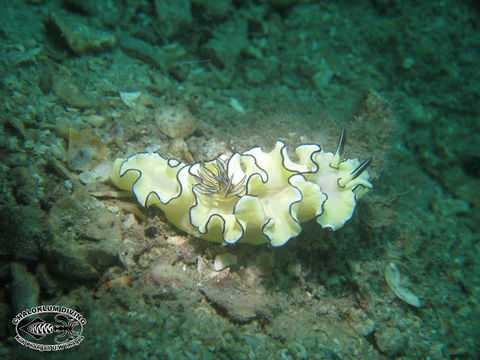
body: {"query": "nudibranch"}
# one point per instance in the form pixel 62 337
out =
pixel 252 197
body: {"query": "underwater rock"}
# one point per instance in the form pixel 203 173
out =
pixel 45 79
pixel 317 70
pixel 230 38
pixel 208 10
pixel 25 289
pixel 109 12
pixel 69 92
pixel 323 76
pixel 294 269
pixel 5 311
pixel 84 150
pixel 179 146
pixel 50 285
pixel 5 270
pixel 391 341
pixel 240 306
pixel 22 231
pixel 365 327
pixel 85 237
pixel 372 128
pixel 173 17
pixel 184 248
pixel 17 124
pixel 80 37
pixel 265 261
pixel 168 280
pixel 280 4
pixel 261 70
pixel 26 190
pixel 142 50
pixel 448 207
pixel 175 122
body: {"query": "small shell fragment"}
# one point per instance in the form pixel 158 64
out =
pixel 97 174
pixel 94 120
pixel 224 260
pixel 234 103
pixel 130 98
pixel 394 278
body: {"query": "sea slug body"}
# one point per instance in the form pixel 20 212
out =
pixel 253 197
